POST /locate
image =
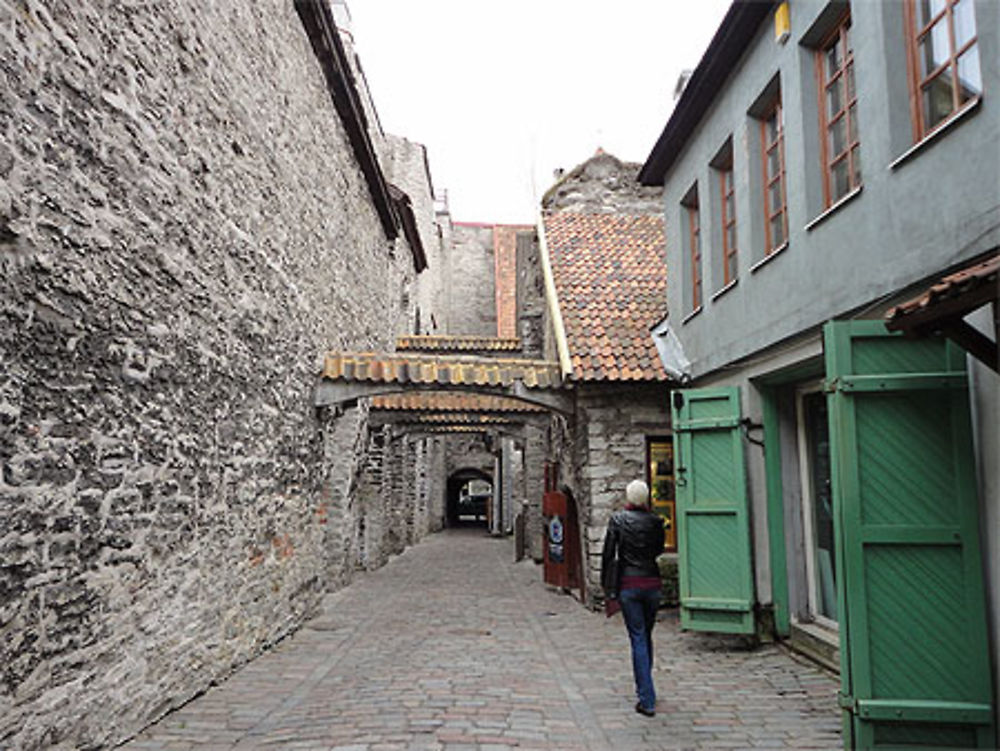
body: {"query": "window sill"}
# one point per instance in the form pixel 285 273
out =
pixel 690 315
pixel 769 257
pixel 719 293
pixel 959 117
pixel 846 198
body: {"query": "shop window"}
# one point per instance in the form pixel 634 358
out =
pixel 945 75
pixel 660 478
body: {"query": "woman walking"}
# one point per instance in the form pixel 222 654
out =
pixel 630 576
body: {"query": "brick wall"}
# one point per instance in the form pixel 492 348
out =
pixel 183 231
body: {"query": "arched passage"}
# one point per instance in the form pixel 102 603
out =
pixel 468 497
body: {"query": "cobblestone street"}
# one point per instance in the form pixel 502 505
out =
pixel 452 647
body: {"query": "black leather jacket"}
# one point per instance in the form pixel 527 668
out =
pixel 637 535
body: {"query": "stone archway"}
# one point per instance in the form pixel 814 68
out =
pixel 454 513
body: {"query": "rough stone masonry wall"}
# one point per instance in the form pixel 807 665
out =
pixel 613 422
pixel 183 231
pixel 472 297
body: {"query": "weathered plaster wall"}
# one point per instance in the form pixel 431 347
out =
pixel 183 231
pixel 871 245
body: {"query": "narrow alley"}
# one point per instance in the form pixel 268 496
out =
pixel 452 646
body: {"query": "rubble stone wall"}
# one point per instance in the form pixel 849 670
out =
pixel 472 294
pixel 613 422
pixel 604 184
pixel 183 232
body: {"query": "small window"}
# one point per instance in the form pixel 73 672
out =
pixel 944 61
pixel 690 206
pixel 724 262
pixel 728 216
pixel 840 147
pixel 772 141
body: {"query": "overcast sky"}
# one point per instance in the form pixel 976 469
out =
pixel 502 92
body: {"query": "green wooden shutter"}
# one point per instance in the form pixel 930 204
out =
pixel 914 655
pixel 713 528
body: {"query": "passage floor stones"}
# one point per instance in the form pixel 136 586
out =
pixel 450 646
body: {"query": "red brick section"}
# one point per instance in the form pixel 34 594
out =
pixel 611 277
pixel 505 259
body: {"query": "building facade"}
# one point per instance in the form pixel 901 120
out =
pixel 837 483
pixel 601 243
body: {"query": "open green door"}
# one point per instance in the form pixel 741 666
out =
pixel 914 657
pixel 713 527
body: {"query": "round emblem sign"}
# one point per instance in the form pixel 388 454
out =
pixel 556 530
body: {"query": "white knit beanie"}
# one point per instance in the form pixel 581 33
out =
pixel 637 493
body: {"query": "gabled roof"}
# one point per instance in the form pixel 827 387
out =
pixel 610 276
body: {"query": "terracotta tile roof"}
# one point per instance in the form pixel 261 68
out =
pixel 453 418
pixel 451 402
pixel 954 295
pixel 505 275
pixel 439 369
pixel 611 278
pixel 436 343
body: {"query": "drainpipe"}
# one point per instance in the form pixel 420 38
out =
pixel 565 365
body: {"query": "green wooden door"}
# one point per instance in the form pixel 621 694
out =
pixel 914 656
pixel 713 528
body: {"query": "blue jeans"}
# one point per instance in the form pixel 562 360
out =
pixel 639 611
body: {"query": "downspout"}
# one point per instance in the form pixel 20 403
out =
pixel 562 346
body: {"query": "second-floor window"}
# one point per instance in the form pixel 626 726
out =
pixel 728 216
pixel 945 72
pixel 694 246
pixel 773 152
pixel 840 147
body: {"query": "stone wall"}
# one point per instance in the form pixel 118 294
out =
pixel 407 169
pixel 184 230
pixel 472 297
pixel 603 184
pixel 609 450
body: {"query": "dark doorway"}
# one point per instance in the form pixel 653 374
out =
pixel 470 492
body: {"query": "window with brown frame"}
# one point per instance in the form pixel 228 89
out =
pixel 945 75
pixel 839 143
pixel 772 139
pixel 728 213
pixel 694 246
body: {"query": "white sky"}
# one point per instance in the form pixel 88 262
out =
pixel 502 92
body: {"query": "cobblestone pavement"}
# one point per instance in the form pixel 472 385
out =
pixel 451 646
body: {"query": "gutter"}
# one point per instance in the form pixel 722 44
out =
pixel 317 18
pixel 734 35
pixel 562 345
